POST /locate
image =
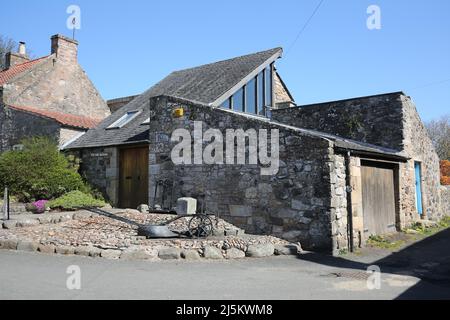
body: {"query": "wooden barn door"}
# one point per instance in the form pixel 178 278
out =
pixel 378 193
pixel 133 184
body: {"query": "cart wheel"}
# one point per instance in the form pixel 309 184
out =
pixel 200 226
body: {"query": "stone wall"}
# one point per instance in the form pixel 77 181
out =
pixel 281 95
pixel 68 134
pixel 100 166
pixel 419 147
pixel 376 120
pixel 16 125
pixel 445 200
pixel 338 206
pixel 294 204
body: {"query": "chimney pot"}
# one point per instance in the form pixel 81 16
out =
pixel 13 58
pixel 22 48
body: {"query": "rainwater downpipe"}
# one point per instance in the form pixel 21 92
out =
pixel 349 190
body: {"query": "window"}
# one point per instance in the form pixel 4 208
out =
pixel 226 104
pixel 238 100
pixel 250 96
pixel 124 119
pixel 260 94
pixel 418 182
pixel 268 87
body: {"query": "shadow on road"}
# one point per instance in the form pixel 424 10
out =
pixel 427 259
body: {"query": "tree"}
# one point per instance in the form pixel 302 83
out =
pixel 445 172
pixel 6 45
pixel 439 131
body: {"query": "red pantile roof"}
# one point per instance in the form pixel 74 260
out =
pixel 13 71
pixel 60 117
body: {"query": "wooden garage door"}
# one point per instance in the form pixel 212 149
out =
pixel 133 184
pixel 378 196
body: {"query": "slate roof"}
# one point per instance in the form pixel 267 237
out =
pixel 203 84
pixel 10 73
pixel 64 119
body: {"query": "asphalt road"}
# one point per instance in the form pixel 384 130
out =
pixel 38 276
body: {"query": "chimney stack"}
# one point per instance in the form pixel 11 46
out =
pixel 66 49
pixel 12 58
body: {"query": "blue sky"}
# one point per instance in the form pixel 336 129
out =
pixel 127 46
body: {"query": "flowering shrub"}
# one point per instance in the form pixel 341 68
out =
pixel 445 172
pixel 40 206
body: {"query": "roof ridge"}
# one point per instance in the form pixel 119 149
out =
pixel 353 99
pixel 18 69
pixel 51 111
pixel 61 117
pixel 229 59
pixel 26 62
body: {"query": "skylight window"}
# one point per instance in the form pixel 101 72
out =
pixel 126 118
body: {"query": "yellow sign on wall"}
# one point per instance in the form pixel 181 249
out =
pixel 178 112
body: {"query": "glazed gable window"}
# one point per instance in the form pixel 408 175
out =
pixel 255 96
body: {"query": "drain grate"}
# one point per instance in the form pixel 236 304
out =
pixel 357 275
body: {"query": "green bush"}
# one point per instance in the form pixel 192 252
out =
pixel 39 171
pixel 75 200
pixel 88 189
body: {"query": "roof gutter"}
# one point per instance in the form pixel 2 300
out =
pixel 372 154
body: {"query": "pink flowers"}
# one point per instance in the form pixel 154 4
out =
pixel 40 206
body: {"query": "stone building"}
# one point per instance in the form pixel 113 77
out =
pixel 115 154
pixel 50 96
pixel 390 121
pixel 346 170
